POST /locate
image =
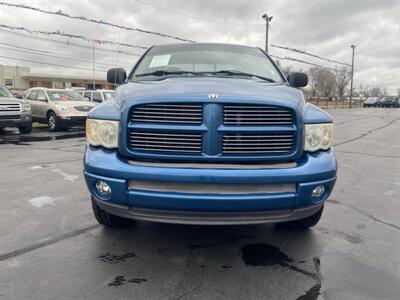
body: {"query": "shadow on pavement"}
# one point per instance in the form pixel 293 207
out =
pixel 13 136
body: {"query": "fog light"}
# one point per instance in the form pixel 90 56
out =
pixel 318 191
pixel 103 188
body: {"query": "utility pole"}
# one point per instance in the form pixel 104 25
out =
pixel 352 74
pixel 94 78
pixel 267 20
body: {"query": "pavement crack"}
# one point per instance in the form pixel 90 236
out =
pixel 367 154
pixel 192 289
pixel 353 120
pixel 366 214
pixel 367 133
pixel 46 242
pixel 314 276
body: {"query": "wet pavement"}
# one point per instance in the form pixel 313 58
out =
pixel 52 248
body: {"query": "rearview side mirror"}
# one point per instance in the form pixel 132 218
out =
pixel 297 79
pixel 116 75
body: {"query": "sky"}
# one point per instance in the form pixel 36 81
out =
pixel 326 28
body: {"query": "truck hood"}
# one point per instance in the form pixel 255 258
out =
pixel 224 87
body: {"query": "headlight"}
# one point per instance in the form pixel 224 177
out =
pixel 62 108
pixel 102 133
pixel 25 107
pixel 318 136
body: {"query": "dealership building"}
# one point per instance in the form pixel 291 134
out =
pixel 18 79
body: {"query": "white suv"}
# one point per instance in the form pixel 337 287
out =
pixel 97 95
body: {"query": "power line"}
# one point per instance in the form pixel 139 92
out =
pixel 67 43
pixel 51 64
pixel 302 61
pixel 310 54
pixel 195 17
pixel 69 35
pixel 86 19
pixel 49 54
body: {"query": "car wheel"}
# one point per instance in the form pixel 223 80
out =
pixel 53 122
pixel 108 220
pixel 25 129
pixel 304 223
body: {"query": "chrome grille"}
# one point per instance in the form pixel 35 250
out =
pixel 256 115
pixel 10 107
pixel 257 143
pixel 165 141
pixel 83 108
pixel 168 113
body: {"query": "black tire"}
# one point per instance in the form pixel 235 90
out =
pixel 53 121
pixel 25 129
pixel 304 223
pixel 108 220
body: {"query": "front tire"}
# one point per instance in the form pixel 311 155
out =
pixel 106 219
pixel 26 129
pixel 53 121
pixel 304 223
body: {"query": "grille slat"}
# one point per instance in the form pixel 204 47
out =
pixel 165 141
pixel 168 113
pixel 256 115
pixel 143 133
pixel 254 143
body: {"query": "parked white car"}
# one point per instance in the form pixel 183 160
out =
pixel 97 95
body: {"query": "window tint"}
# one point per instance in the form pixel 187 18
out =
pixel 108 95
pixel 4 92
pixel 206 58
pixel 32 95
pixel 88 95
pixel 41 96
pixel 64 95
pixel 97 97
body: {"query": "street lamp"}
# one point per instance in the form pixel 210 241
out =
pixel 267 20
pixel 352 73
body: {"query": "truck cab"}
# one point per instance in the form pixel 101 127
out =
pixel 210 134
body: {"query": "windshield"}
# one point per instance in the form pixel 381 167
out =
pixel 63 95
pixel 108 95
pixel 4 92
pixel 206 60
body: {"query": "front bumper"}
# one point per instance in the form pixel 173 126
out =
pixel 23 119
pixel 72 120
pixel 209 208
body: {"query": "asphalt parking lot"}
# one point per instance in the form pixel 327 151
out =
pixel 52 248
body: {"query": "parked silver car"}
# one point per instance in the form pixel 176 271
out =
pixel 57 107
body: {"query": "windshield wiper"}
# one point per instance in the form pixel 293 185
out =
pixel 165 73
pixel 239 73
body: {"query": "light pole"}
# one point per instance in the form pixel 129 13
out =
pixel 352 73
pixel 267 20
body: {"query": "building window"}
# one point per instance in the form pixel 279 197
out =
pixel 8 82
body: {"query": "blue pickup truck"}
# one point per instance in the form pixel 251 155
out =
pixel 210 134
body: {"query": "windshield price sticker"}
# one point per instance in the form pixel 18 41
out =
pixel 160 61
